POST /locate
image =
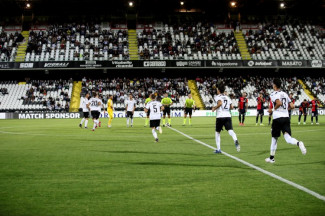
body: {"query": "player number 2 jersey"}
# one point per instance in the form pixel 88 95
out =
pixel 224 110
pixel 282 111
pixel 154 107
pixel 95 104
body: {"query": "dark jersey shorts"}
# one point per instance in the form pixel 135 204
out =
pixel 188 111
pixel 155 123
pixel 314 113
pixel 166 110
pixel 260 112
pixel 223 122
pixel 280 124
pixel 242 111
pixel 95 114
pixel 86 114
pixel 129 114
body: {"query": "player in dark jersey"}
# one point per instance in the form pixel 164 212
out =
pixel 314 110
pixel 242 108
pixel 260 108
pixel 303 109
pixel 293 102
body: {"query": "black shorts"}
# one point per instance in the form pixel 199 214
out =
pixel 242 111
pixel 95 114
pixel 280 124
pixel 260 112
pixel 155 123
pixel 305 111
pixel 166 110
pixel 314 113
pixel 148 113
pixel 129 114
pixel 223 122
pixel 188 111
pixel 86 114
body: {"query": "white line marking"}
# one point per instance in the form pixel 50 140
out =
pixel 317 195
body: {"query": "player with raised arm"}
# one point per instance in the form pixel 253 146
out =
pixel 242 108
pixel 83 105
pixel 129 109
pixel 260 108
pixel 281 121
pixel 95 106
pixel 110 108
pixel 314 110
pixel 293 102
pixel 188 108
pixel 155 108
pixel 303 110
pixel 148 113
pixel 224 105
pixel 166 102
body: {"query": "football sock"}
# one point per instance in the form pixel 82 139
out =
pixel 86 123
pixel 184 122
pixel 273 146
pixel 189 121
pixel 299 118
pixel 131 121
pixel 305 117
pixel 233 135
pixel 82 121
pixel 157 128
pixel 256 119
pixel 239 118
pixel 269 119
pixel 289 139
pixel 147 120
pixel 316 119
pixel 95 124
pixel 110 121
pixel 261 119
pixel 154 133
pixel 312 119
pixel 127 121
pixel 218 138
pixel 164 121
pixel 169 121
pixel 243 119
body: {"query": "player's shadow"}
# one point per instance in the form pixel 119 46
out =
pixel 151 153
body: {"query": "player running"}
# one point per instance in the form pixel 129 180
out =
pixel 188 108
pixel 129 109
pixel 314 110
pixel 148 113
pixel 303 109
pixel 242 108
pixel 83 105
pixel 293 102
pixel 166 102
pixel 224 105
pixel 110 109
pixel 95 106
pixel 281 121
pixel 155 108
pixel 260 108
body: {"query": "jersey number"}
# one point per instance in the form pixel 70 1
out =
pixel 94 103
pixel 155 108
pixel 284 103
pixel 226 103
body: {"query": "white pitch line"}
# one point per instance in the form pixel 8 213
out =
pixel 313 193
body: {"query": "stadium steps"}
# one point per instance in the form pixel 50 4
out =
pixel 21 51
pixel 242 46
pixel 196 95
pixel 309 93
pixel 133 44
pixel 75 96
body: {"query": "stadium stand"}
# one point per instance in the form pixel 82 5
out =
pixel 235 86
pixel 188 42
pixel 287 42
pixel 74 42
pixel 8 45
pixel 317 87
pixel 140 88
pixel 36 95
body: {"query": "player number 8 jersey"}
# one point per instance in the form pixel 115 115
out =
pixel 224 110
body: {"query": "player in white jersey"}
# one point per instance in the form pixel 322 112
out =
pixel 85 110
pixel 129 109
pixel 155 108
pixel 95 106
pixel 281 121
pixel 224 105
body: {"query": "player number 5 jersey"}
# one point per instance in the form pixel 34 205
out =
pixel 154 107
pixel 282 111
pixel 224 110
pixel 95 104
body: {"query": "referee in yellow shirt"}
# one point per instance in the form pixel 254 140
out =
pixel 189 106
pixel 110 110
pixel 166 102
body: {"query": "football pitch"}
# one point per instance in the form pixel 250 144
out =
pixel 52 167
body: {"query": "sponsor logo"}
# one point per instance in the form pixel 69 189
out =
pixel 250 63
pixel 259 63
pixel 224 64
pixel 188 64
pixel 154 64
pixel 48 115
pixel 4 65
pixel 291 63
pixel 122 64
pixel 26 65
pixel 90 64
pixel 56 65
pixel 316 63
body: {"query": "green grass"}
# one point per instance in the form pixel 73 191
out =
pixel 52 167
